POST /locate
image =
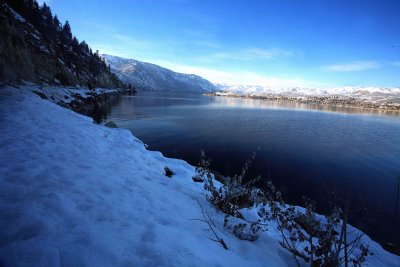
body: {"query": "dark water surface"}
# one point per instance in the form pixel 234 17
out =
pixel 307 149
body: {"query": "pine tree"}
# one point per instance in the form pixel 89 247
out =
pixel 35 16
pixel 75 44
pixel 84 47
pixel 68 51
pixel 57 23
pixel 66 35
pixel 46 12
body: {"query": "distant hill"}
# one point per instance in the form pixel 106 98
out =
pixel 36 47
pixel 372 94
pixel 149 77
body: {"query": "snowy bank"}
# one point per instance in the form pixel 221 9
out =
pixel 74 193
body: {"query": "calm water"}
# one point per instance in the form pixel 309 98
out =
pixel 306 149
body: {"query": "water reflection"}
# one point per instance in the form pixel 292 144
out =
pixel 100 112
pixel 283 104
pixel 304 152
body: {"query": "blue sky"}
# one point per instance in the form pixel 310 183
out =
pixel 300 43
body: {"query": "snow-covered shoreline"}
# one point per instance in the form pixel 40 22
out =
pixel 374 98
pixel 75 193
pixel 373 94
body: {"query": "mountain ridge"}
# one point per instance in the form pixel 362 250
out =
pixel 146 76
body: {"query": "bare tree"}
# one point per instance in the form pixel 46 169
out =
pixel 208 221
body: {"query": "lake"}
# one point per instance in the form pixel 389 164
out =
pixel 308 150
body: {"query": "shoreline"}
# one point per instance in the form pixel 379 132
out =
pixel 294 203
pixel 84 179
pixel 331 103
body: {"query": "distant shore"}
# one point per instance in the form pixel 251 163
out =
pixel 331 101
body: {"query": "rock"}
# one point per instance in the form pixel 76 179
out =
pixel 244 232
pixel 42 95
pixel 197 179
pixel 168 172
pixel 111 124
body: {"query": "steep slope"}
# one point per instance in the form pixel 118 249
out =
pixel 149 77
pixel 36 47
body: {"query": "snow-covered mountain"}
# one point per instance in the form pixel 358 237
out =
pixel 149 77
pixel 373 94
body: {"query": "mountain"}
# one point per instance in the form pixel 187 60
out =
pixel 36 47
pixel 149 77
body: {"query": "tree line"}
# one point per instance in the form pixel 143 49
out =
pixel 77 56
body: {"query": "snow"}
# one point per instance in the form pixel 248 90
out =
pixel 66 94
pixel 17 16
pixel 75 193
pixel 34 35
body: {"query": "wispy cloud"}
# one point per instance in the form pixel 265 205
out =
pixel 199 38
pixel 126 48
pixel 396 63
pixel 252 54
pixel 133 43
pixel 273 53
pixel 354 66
pixel 108 39
pixel 237 77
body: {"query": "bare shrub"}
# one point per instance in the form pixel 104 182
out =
pixel 319 240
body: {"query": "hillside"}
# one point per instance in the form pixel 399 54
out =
pixel 149 77
pixel 36 47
